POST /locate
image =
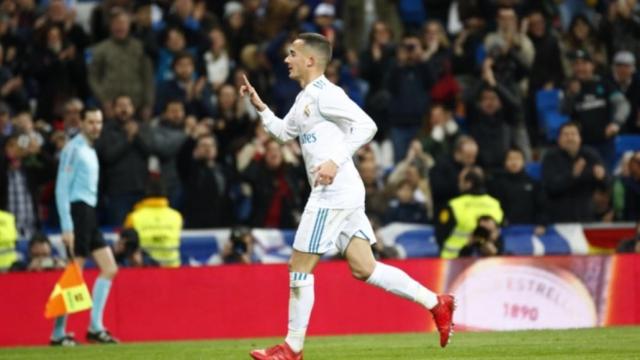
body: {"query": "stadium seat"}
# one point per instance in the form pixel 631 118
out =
pixel 554 243
pixel 534 169
pixel 552 121
pixel 419 243
pixel 626 143
pixel 518 244
pixel 548 100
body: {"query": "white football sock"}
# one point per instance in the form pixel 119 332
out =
pixel 301 297
pixel 398 282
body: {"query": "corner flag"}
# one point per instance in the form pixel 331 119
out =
pixel 70 294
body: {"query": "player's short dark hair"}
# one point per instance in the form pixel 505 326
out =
pixel 88 109
pixel 318 43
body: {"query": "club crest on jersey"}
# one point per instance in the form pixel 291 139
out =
pixel 307 111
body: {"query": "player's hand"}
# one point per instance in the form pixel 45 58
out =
pixel 247 89
pixel 68 239
pixel 325 173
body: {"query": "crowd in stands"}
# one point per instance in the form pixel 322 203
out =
pixel 454 87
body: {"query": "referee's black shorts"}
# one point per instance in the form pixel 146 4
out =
pixel 88 236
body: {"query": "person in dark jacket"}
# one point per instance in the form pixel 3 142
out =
pixel 124 156
pixel 628 188
pixel 445 174
pixel 404 208
pixel 596 106
pixel 207 184
pixel 520 196
pixel 409 82
pixel 570 175
pixel 276 188
pixel 624 78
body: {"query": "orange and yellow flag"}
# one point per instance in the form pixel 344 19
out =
pixel 70 294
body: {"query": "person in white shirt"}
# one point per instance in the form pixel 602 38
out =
pixel 330 128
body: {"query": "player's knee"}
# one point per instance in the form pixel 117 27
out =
pixel 109 272
pixel 361 273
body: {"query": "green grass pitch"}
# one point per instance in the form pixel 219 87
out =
pixel 607 343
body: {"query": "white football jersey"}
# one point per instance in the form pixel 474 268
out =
pixel 329 126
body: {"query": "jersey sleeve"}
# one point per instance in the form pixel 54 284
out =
pixel 282 129
pixel 63 187
pixel 335 106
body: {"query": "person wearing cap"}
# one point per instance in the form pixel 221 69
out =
pixel 599 108
pixel 623 77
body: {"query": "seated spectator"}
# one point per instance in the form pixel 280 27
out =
pixel 624 78
pixel 127 250
pixel 174 44
pixel 456 222
pixel 632 245
pixel 187 87
pixel 627 190
pixel 596 106
pixel 208 184
pixel 415 169
pixel 520 196
pixel 276 188
pixel 446 172
pixel 40 257
pixel 403 207
pixel 570 175
pixel 439 132
pixel 8 237
pixel 239 249
pixel 158 226
pixel 485 240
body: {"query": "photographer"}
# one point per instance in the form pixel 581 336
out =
pixel 630 246
pixel 40 256
pixel 239 249
pixel 128 253
pixel 485 240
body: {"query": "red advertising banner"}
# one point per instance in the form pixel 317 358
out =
pixel 251 301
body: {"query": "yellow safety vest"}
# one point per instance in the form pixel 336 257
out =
pixel 8 236
pixel 467 209
pixel 158 228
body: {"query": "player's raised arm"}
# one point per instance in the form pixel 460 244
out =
pixel 283 130
pixel 337 107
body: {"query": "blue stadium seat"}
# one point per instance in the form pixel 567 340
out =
pixel 419 243
pixel 534 169
pixel 554 243
pixel 518 244
pixel 626 143
pixel 548 100
pixel 552 121
pixel 289 236
pixel 198 248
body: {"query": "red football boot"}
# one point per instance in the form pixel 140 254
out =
pixel 443 317
pixel 278 352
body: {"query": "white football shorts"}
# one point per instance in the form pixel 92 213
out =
pixel 323 229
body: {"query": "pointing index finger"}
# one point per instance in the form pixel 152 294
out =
pixel 246 81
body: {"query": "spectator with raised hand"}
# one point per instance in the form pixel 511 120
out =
pixel 375 60
pixel 275 189
pixel 124 157
pixel 465 49
pixel 60 71
pixel 208 183
pixel 570 175
pixel 439 133
pixel 439 56
pixel 599 108
pixel 509 37
pixel 119 66
pixel 187 86
pixel 520 196
pixel 57 14
pixel 414 168
pixel 409 82
pixel 164 139
pixel 624 78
